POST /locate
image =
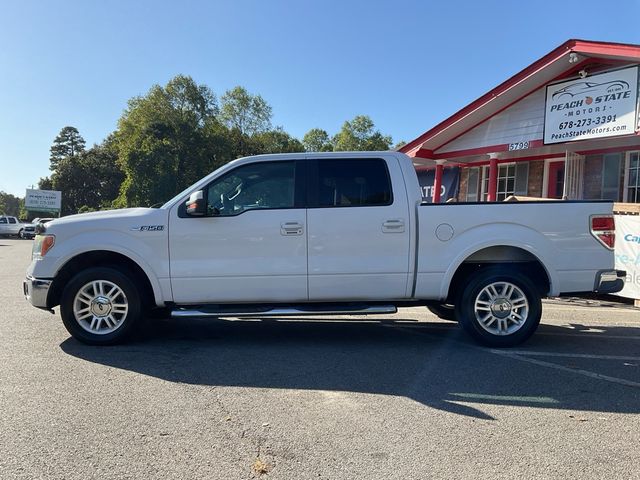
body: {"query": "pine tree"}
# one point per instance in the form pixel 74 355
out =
pixel 68 143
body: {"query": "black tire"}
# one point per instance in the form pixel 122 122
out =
pixel 443 311
pixel 127 322
pixel 21 234
pixel 521 330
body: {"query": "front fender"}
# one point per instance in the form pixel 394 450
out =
pixel 149 253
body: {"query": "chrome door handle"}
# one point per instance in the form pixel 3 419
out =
pixel 395 225
pixel 291 228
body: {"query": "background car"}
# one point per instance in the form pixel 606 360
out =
pixel 29 230
pixel 11 226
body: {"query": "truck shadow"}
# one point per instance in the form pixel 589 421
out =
pixel 432 363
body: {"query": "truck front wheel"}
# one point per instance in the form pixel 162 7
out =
pixel 499 307
pixel 443 311
pixel 100 306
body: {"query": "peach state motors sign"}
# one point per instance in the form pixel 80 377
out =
pixel 602 105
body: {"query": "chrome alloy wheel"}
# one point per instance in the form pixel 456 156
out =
pixel 501 308
pixel 100 307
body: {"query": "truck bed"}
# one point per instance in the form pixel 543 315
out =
pixel 557 233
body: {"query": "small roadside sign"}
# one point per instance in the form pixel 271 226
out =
pixel 43 200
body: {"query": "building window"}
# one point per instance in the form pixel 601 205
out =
pixel 473 184
pixel 506 182
pixel 512 180
pixel 611 177
pixel 632 178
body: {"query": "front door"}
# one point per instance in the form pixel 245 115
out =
pixel 358 223
pixel 555 185
pixel 252 244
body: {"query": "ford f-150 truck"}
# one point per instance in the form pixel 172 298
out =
pixel 318 234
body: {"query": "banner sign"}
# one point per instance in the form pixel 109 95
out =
pixel 597 106
pixel 627 253
pixel 448 189
pixel 43 200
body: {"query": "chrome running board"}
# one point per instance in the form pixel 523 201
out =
pixel 284 311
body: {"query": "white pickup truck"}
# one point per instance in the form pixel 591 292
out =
pixel 318 234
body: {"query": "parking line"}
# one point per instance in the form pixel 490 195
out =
pixel 522 358
pixel 599 308
pixel 570 355
pixel 418 325
pixel 504 398
pixel 586 373
pixel 590 334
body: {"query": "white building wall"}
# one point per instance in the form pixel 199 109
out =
pixel 521 122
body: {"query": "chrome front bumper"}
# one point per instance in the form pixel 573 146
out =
pixel 36 291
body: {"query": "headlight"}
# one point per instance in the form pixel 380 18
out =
pixel 42 244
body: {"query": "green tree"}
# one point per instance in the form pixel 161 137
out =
pixel 86 209
pixel 167 140
pixel 360 134
pixel 68 143
pixel 317 140
pixel 90 179
pixel 276 141
pixel 45 183
pixel 10 204
pixel 247 113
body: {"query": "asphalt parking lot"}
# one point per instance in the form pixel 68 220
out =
pixel 392 397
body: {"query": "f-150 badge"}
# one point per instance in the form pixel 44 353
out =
pixel 148 228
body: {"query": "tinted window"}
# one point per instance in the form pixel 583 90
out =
pixel 352 183
pixel 3 220
pixel 12 220
pixel 249 187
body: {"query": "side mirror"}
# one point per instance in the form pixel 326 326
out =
pixel 196 205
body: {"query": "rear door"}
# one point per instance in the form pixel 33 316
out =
pixel 252 244
pixel 14 226
pixel 358 229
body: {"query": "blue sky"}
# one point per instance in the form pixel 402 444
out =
pixel 408 65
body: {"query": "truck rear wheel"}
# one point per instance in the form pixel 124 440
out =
pixel 100 306
pixel 499 307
